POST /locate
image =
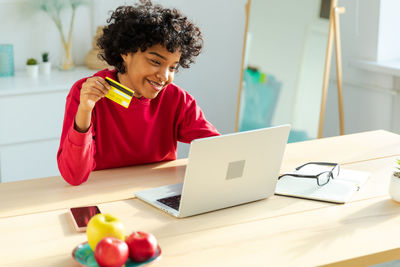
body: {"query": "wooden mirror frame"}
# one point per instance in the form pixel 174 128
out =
pixel 333 33
pixel 241 68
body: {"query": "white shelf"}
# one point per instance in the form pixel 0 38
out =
pixel 31 116
pixel 21 84
pixel 391 67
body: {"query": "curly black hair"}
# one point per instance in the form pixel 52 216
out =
pixel 143 25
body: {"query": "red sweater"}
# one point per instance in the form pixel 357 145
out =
pixel 145 132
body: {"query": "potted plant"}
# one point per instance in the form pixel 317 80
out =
pixel 32 68
pixel 45 66
pixel 394 187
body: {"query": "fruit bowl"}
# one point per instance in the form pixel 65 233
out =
pixel 84 256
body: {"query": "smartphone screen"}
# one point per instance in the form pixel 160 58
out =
pixel 82 215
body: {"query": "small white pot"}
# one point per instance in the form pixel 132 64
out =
pixel 32 70
pixel 394 188
pixel 45 68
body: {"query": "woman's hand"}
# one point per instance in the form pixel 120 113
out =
pixel 94 89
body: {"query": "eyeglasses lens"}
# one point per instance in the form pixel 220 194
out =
pixel 335 171
pixel 323 178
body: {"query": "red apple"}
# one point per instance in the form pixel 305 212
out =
pixel 142 246
pixel 111 252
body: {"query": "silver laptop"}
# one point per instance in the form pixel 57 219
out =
pixel 224 171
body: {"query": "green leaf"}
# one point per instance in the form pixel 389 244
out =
pixel 76 3
pixel 45 56
pixel 31 61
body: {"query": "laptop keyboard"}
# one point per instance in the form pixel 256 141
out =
pixel 172 202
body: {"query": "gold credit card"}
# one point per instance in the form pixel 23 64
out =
pixel 119 93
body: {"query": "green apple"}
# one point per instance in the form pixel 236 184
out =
pixel 104 225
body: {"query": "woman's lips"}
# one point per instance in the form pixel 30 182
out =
pixel 156 86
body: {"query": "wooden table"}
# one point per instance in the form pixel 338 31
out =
pixel 24 197
pixel 276 231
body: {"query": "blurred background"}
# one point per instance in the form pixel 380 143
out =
pixel 283 61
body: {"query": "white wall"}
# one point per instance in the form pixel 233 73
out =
pixel 31 32
pixel 389 21
pixel 368 96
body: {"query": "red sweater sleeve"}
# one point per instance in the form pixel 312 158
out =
pixel 75 155
pixel 193 124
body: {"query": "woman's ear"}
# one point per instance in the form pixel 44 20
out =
pixel 124 57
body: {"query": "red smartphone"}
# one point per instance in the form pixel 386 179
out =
pixel 81 216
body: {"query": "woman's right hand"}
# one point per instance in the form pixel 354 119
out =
pixel 93 89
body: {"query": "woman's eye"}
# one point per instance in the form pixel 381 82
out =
pixel 155 62
pixel 173 68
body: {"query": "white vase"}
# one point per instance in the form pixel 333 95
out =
pixel 394 188
pixel 32 70
pixel 45 68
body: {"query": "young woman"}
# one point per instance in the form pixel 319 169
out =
pixel 146 44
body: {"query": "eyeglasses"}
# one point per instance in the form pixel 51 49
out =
pixel 325 172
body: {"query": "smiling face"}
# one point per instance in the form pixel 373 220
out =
pixel 148 72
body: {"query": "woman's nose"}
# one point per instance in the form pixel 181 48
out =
pixel 163 75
